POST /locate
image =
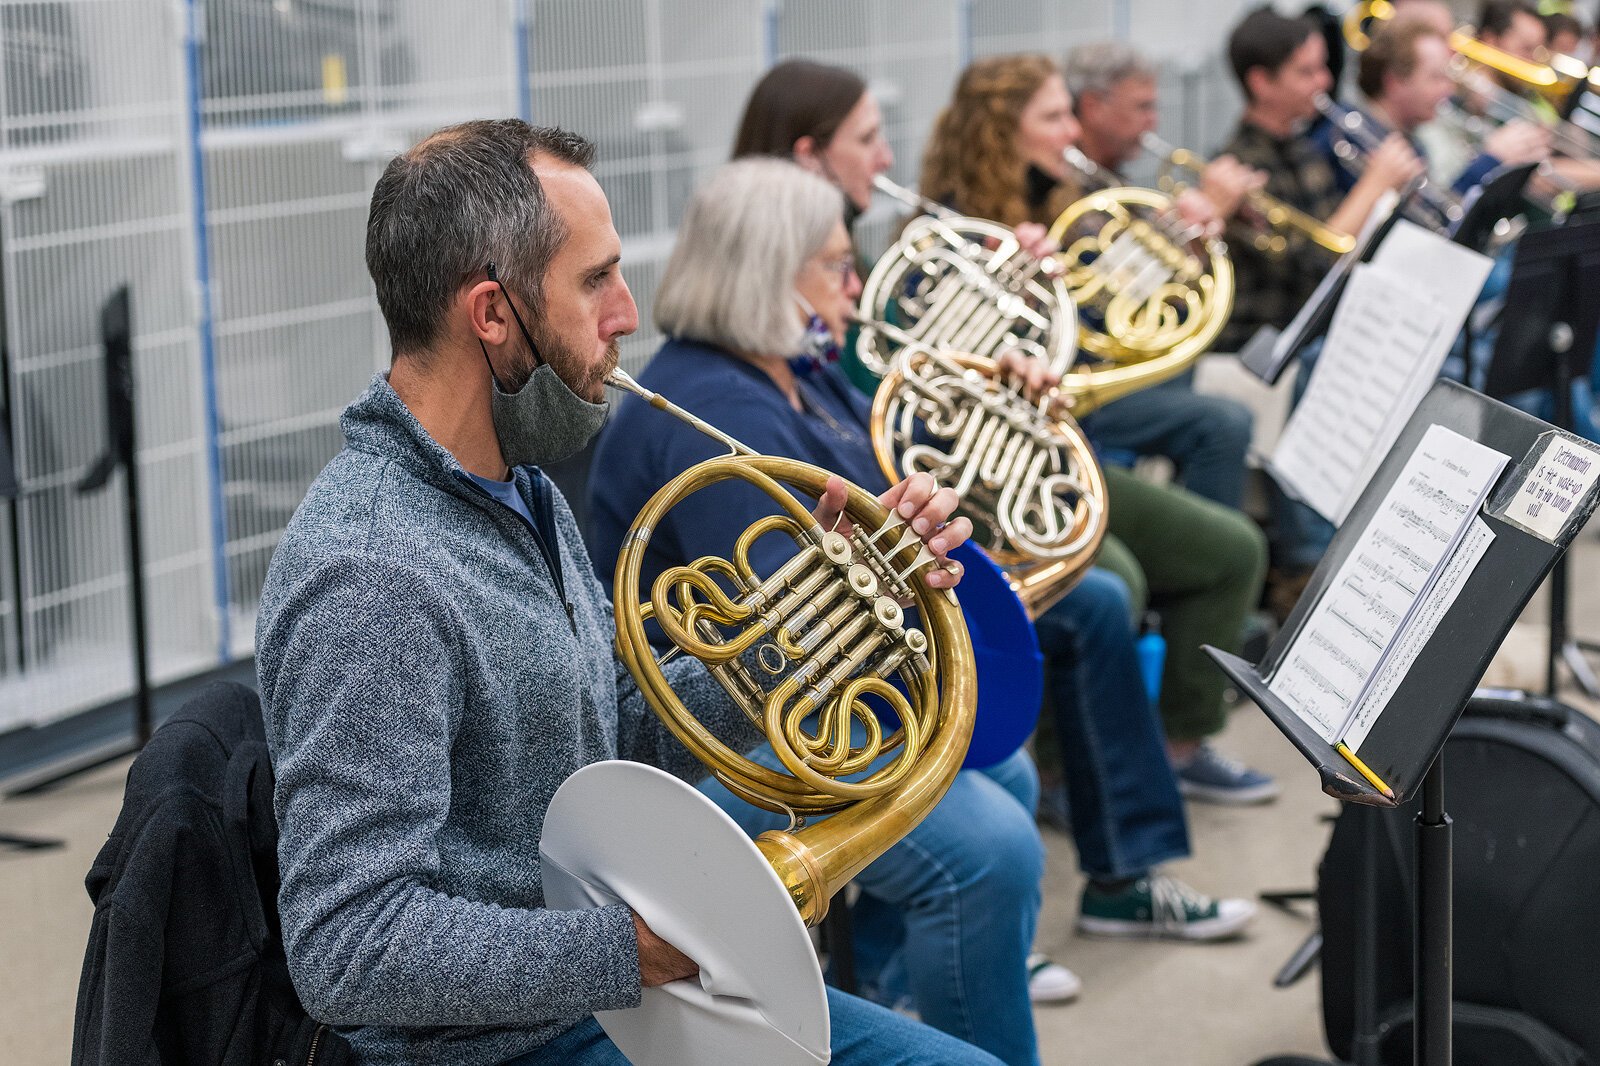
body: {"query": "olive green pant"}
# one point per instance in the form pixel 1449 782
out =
pixel 1197 564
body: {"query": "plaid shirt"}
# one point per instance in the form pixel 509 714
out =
pixel 1270 289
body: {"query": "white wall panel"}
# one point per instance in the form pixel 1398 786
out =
pixel 658 85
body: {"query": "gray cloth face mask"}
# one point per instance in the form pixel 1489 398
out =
pixel 543 422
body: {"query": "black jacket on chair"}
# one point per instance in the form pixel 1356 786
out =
pixel 185 960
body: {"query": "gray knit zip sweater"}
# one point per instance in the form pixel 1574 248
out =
pixel 425 694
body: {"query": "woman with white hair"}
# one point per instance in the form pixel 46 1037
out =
pixel 755 295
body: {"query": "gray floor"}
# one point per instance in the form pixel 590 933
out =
pixel 1194 1005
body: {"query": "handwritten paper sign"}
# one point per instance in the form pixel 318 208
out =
pixel 1555 487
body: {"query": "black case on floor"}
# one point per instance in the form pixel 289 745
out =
pixel 1524 793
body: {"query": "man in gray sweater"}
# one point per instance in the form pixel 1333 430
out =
pixel 435 653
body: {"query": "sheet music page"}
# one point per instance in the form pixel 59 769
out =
pixel 1415 635
pixel 1375 363
pixel 1452 274
pixel 1302 318
pixel 1327 670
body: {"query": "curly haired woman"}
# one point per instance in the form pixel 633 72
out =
pixel 997 152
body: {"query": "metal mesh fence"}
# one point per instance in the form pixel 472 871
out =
pixel 94 192
pixel 218 156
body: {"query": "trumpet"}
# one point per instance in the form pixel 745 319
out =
pixel 1273 219
pixel 956 283
pixel 1555 79
pixel 1355 140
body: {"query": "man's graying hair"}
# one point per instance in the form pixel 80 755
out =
pixel 1097 68
pixel 464 197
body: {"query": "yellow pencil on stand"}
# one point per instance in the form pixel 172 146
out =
pixel 1366 771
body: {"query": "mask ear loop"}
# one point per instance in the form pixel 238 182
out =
pixel 538 360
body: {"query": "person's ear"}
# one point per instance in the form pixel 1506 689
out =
pixel 807 154
pixel 487 313
pixel 1258 81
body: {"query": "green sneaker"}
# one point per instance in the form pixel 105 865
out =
pixel 1159 906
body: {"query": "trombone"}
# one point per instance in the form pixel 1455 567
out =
pixel 1555 80
pixel 1277 219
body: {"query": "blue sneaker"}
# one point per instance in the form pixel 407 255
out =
pixel 1213 777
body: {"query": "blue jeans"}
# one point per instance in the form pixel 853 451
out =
pixel 1127 814
pixel 948 913
pixel 864 1034
pixel 1206 437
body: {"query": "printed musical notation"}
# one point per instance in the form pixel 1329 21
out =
pixel 1326 673
pixel 1375 358
pixel 1390 334
pixel 1430 611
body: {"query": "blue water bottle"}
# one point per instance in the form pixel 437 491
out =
pixel 1152 654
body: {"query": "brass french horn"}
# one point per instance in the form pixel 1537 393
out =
pixel 1152 292
pixel 1027 477
pixel 807 652
pixel 936 311
pixel 955 283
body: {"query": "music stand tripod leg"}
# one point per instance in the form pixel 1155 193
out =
pixel 1572 653
pixel 1433 991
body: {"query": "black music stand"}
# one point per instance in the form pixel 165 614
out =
pixel 1546 340
pixel 116 332
pixel 1404 743
pixel 1269 351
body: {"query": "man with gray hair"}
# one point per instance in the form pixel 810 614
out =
pixel 435 652
pixel 1206 437
pixel 1114 92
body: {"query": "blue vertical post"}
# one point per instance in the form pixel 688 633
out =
pixel 520 20
pixel 963 34
pixel 1121 19
pixel 208 341
pixel 771 12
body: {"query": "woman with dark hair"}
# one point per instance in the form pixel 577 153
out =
pixel 823 118
pixel 996 151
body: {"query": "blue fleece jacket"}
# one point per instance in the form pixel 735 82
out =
pixel 431 670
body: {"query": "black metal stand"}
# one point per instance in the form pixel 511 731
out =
pixel 1547 338
pixel 1565 649
pixel 116 331
pixel 1432 958
pixel 1432 946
